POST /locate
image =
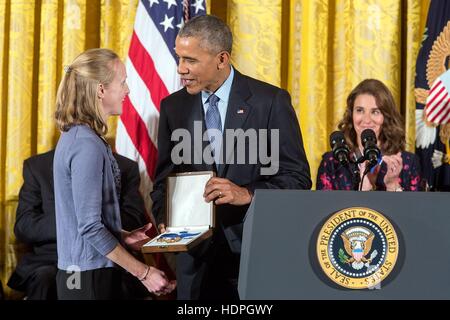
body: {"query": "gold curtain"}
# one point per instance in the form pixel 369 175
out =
pixel 316 49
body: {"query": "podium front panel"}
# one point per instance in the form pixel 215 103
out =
pixel 279 259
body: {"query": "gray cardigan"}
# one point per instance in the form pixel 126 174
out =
pixel 88 225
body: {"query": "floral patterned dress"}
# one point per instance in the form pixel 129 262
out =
pixel 331 175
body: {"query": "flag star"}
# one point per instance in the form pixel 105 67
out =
pixel 170 3
pixel 152 2
pixel 181 24
pixel 198 6
pixel 167 23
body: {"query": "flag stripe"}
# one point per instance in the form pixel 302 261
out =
pixel 434 97
pixel 446 117
pixel 443 114
pixel 137 131
pixel 436 109
pixel 146 69
pixel 432 109
pixel 126 148
pixel 438 112
pixel 142 102
pixel 437 101
pixel 436 85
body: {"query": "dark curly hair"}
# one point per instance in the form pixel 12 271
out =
pixel 392 133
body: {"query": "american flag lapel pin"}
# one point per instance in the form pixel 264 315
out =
pixel 240 111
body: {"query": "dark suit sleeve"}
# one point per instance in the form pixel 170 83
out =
pixel 132 209
pixel 33 225
pixel 293 169
pixel 164 166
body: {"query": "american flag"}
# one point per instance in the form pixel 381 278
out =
pixel 151 75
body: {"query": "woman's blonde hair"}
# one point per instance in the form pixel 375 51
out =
pixel 77 101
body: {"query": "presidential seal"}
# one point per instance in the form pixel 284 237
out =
pixel 357 248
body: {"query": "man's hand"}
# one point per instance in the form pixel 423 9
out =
pixel 223 191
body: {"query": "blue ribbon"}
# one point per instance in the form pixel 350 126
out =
pixel 379 161
pixel 181 234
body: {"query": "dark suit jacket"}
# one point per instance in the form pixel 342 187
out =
pixel 35 217
pixel 252 105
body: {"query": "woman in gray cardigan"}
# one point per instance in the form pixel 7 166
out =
pixel 90 239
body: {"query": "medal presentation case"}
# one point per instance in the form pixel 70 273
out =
pixel 189 218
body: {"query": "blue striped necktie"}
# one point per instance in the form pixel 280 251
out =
pixel 213 121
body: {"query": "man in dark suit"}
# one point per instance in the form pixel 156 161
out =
pixel 35 224
pixel 218 99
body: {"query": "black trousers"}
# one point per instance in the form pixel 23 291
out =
pixel 41 285
pixel 97 284
pixel 208 272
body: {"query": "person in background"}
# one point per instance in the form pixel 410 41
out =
pixel 90 240
pixel 371 105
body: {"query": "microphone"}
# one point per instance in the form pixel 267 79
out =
pixel 339 147
pixel 371 150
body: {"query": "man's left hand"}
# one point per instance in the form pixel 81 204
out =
pixel 223 191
